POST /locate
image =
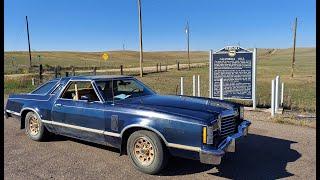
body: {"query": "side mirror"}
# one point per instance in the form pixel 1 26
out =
pixel 86 98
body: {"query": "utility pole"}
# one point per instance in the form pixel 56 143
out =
pixel 140 34
pixel 188 34
pixel 294 46
pixel 28 40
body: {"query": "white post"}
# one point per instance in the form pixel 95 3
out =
pixel 221 88
pixel 277 94
pixel 272 98
pixel 210 74
pixel 254 60
pixel 32 81
pixel 199 85
pixel 282 91
pixel 181 86
pixel 194 85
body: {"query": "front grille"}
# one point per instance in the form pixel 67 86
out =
pixel 228 125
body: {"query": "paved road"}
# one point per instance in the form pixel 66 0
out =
pixel 271 151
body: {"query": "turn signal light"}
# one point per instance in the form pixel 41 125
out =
pixel 204 135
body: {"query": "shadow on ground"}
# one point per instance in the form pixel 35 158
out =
pixel 256 157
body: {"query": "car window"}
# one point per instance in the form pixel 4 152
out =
pixel 105 88
pixel 45 88
pixel 122 89
pixel 78 90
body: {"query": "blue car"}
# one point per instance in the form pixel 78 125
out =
pixel 122 112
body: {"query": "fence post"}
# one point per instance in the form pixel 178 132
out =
pixel 160 67
pixel 221 88
pixel 73 72
pixel 282 91
pixel 194 85
pixel 199 85
pixel 58 71
pixel 94 70
pixel 277 93
pixel 32 81
pixel 272 98
pixel 121 69
pixel 67 73
pixel 178 66
pixel 55 72
pixel 40 73
pixel 181 86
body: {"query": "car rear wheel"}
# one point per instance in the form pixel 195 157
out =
pixel 34 127
pixel 147 152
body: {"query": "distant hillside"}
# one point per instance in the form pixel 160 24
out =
pixel 128 58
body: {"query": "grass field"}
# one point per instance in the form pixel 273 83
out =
pixel 271 62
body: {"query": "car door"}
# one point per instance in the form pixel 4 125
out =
pixel 79 112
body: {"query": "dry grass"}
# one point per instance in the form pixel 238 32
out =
pixel 300 90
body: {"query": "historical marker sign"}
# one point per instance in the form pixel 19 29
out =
pixel 236 66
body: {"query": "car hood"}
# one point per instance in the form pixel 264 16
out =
pixel 199 108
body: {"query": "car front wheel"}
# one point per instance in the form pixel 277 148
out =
pixel 147 152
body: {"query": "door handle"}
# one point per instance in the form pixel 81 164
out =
pixel 58 105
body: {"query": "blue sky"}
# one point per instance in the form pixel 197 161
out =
pixel 104 25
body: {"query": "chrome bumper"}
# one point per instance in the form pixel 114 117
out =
pixel 213 156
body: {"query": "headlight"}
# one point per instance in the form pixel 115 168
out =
pixel 208 131
pixel 241 112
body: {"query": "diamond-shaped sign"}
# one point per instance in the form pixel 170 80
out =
pixel 105 56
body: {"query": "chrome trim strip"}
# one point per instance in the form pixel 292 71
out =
pixel 173 145
pixel 185 147
pixel 32 99
pixel 34 110
pixel 82 128
pixel 146 127
pixel 13 112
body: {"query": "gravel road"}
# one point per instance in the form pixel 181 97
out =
pixel 125 69
pixel 271 151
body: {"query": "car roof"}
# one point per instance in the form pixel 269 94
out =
pixel 93 77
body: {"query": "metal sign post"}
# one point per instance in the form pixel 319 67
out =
pixel 254 105
pixel 210 74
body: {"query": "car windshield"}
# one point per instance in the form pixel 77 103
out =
pixel 120 89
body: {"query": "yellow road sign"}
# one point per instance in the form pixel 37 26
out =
pixel 105 56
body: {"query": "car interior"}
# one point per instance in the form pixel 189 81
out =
pixel 76 90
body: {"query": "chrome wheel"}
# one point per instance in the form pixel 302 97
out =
pixel 143 151
pixel 34 126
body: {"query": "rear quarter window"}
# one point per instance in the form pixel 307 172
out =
pixel 45 88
